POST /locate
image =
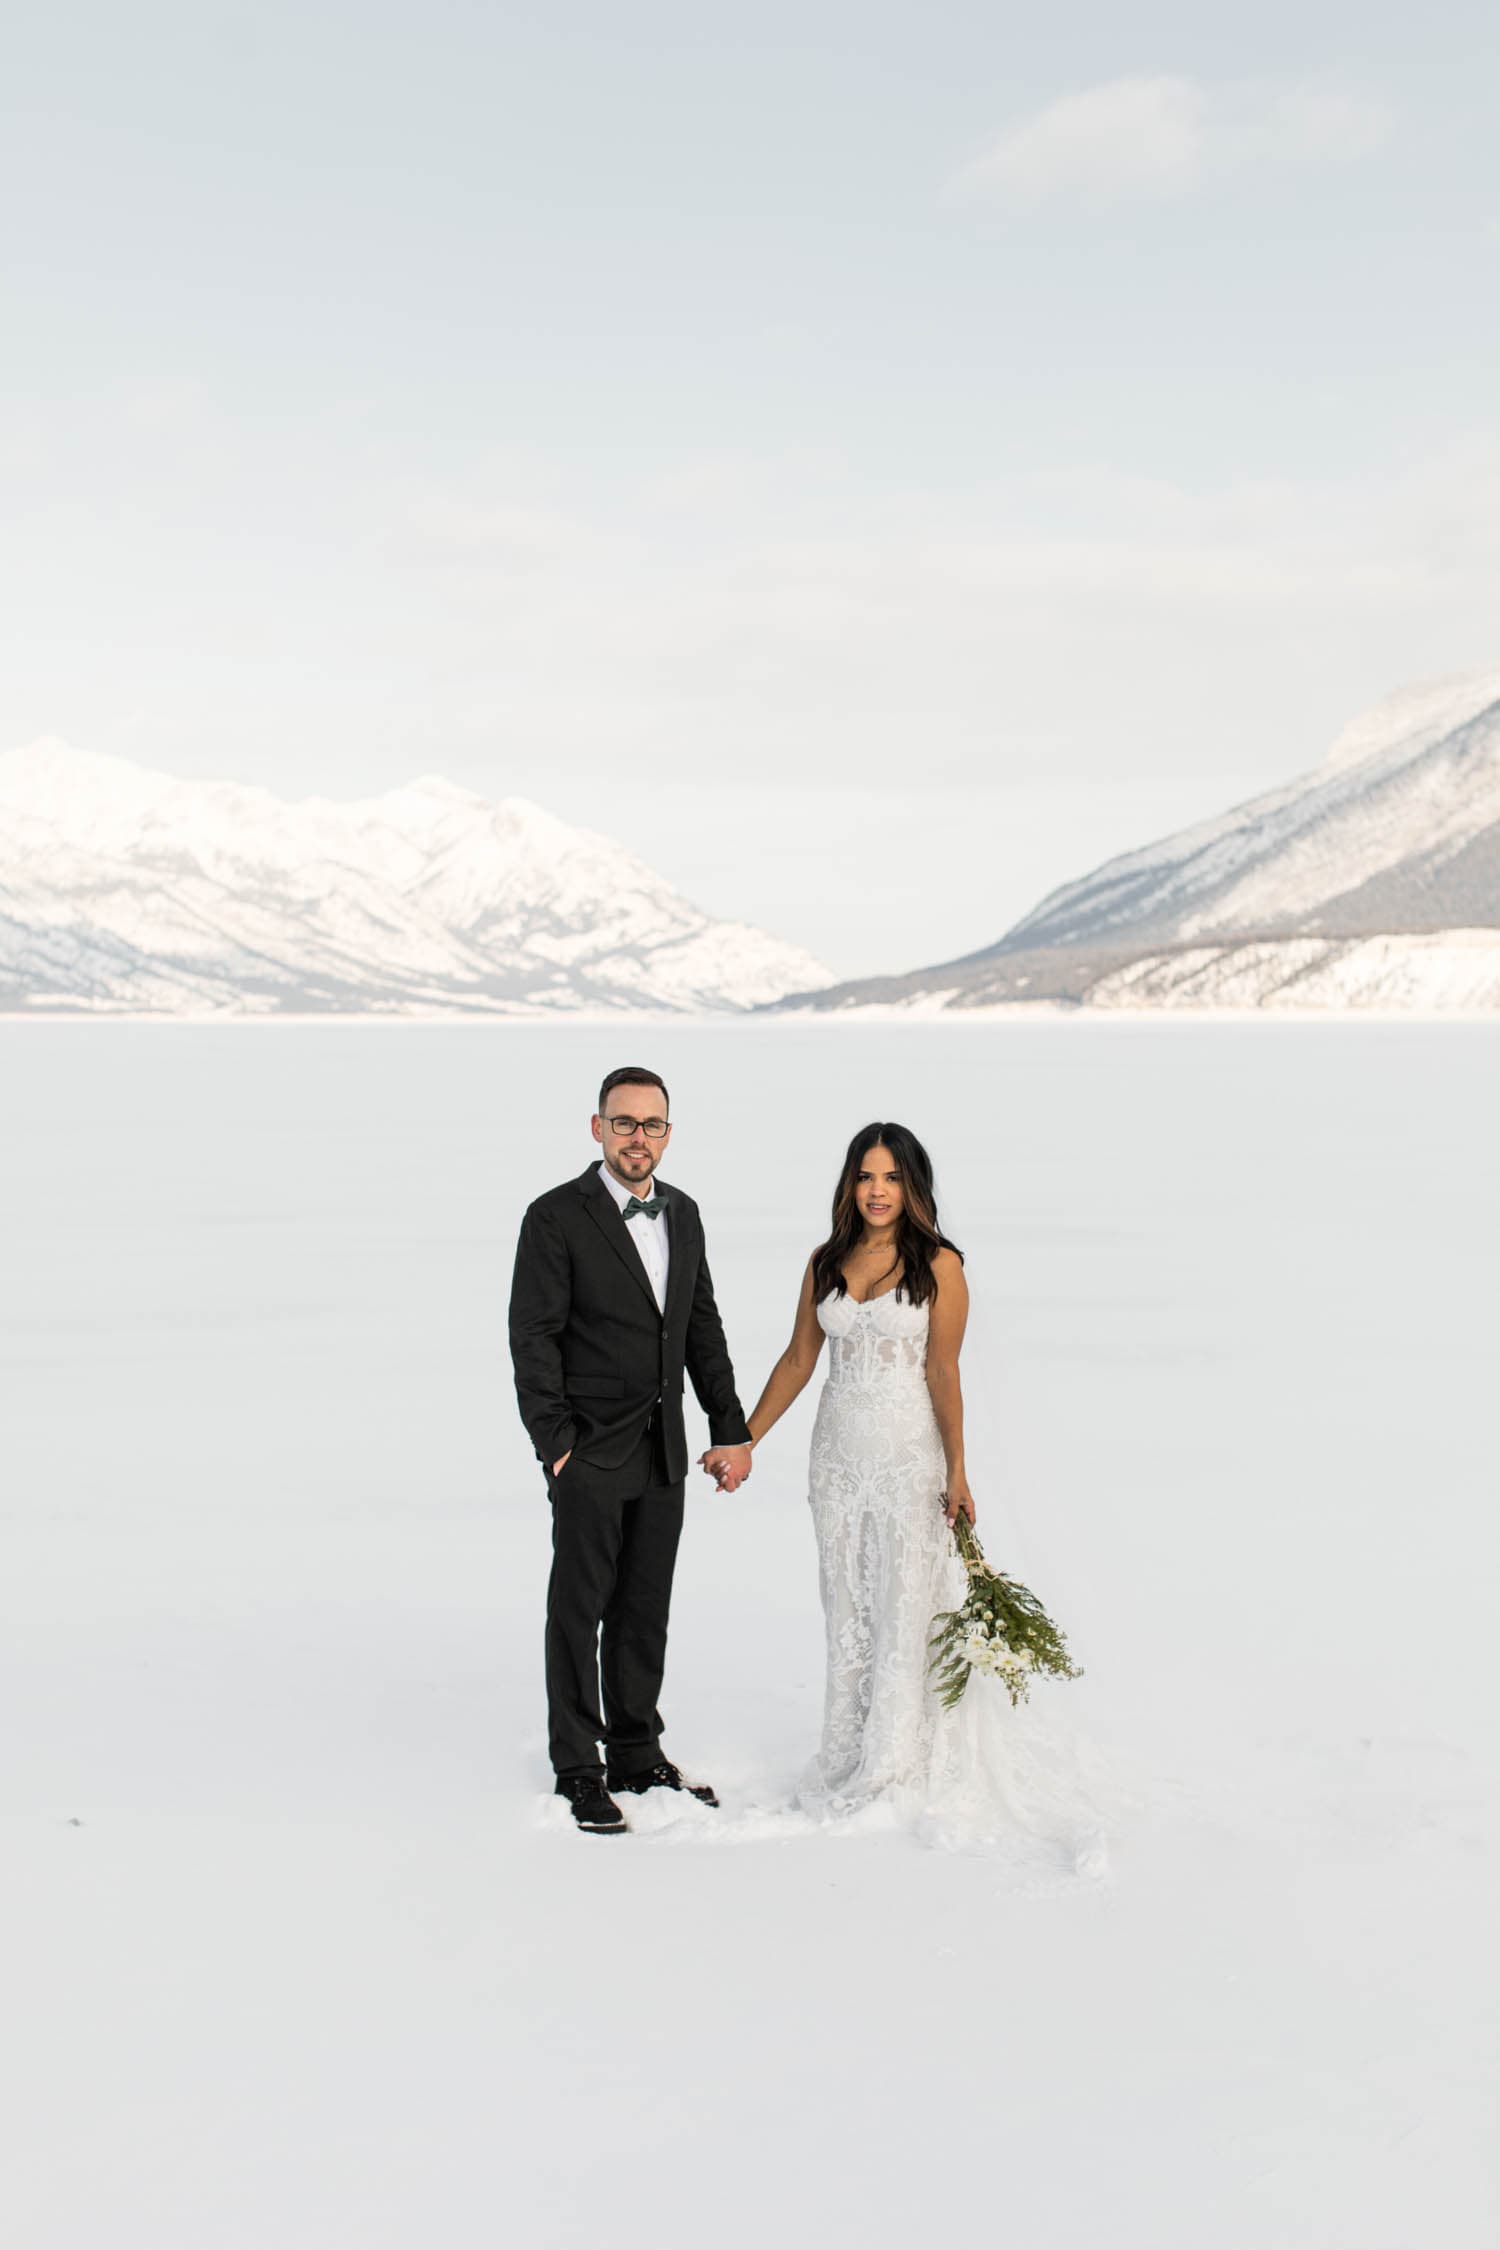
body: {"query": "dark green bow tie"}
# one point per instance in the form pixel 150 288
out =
pixel 653 1206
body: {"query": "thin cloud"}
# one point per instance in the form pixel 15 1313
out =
pixel 1156 137
pixel 1321 125
pixel 763 625
pixel 1133 136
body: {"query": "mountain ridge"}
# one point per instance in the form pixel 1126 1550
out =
pixel 1372 881
pixel 125 889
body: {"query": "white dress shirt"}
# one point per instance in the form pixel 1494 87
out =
pixel 648 1235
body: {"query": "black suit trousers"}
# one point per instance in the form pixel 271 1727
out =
pixel 614 1550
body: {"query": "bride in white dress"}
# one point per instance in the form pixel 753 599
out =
pixel 887 1481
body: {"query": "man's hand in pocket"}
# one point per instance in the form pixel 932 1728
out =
pixel 559 1466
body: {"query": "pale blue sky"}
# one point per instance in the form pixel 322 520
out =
pixel 873 461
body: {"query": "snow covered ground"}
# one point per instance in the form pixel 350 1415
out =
pixel 297 1952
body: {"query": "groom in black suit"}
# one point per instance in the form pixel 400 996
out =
pixel 610 1303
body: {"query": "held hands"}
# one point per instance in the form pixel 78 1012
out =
pixel 728 1465
pixel 958 1499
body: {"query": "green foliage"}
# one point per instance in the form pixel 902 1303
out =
pixel 999 1628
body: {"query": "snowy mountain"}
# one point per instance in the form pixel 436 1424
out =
pixel 128 891
pixel 1373 882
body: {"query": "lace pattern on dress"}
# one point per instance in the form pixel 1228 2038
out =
pixel 1015 1783
pixel 885 1556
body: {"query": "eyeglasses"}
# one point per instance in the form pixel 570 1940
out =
pixel 654 1128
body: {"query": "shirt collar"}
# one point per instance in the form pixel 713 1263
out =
pixel 621 1195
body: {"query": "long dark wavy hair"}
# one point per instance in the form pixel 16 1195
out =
pixel 918 1235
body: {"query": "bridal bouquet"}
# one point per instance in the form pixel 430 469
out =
pixel 1001 1629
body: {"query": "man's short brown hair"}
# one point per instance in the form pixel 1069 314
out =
pixel 633 1078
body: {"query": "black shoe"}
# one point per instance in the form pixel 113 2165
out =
pixel 593 1810
pixel 663 1775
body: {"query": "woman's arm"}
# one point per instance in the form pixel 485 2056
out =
pixel 792 1372
pixel 946 1321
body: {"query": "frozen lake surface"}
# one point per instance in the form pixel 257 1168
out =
pixel 297 1954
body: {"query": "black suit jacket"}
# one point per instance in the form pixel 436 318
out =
pixel 592 1354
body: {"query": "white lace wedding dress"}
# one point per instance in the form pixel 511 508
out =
pixel 984 1775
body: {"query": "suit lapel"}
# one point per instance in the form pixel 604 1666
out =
pixel 610 1220
pixel 677 1251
